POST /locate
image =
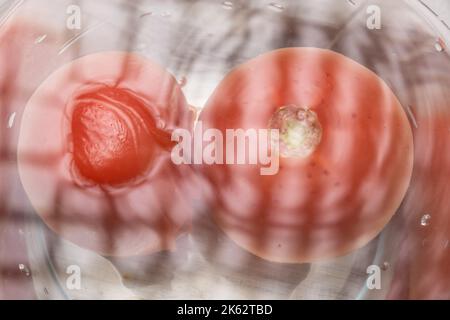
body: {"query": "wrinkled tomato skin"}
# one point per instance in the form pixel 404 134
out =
pixel 101 127
pixel 113 135
pixel 339 197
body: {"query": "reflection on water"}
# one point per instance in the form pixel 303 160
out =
pixel 199 41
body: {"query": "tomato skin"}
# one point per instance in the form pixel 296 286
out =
pixel 111 184
pixel 112 134
pixel 344 193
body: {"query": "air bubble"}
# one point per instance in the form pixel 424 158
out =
pixel 425 220
pixel 385 266
pixel 165 14
pixel 227 5
pixel 276 6
pixel 24 269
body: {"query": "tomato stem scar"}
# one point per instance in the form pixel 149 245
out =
pixel 300 131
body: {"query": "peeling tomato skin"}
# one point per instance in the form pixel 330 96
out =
pixel 339 197
pixel 113 135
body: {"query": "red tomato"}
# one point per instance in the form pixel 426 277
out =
pixel 94 154
pixel 346 155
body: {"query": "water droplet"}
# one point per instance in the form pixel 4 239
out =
pixel 385 266
pixel 439 45
pixel 11 119
pixel 182 81
pixel 276 6
pixel 40 39
pixel 425 220
pixel 227 5
pixel 24 269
